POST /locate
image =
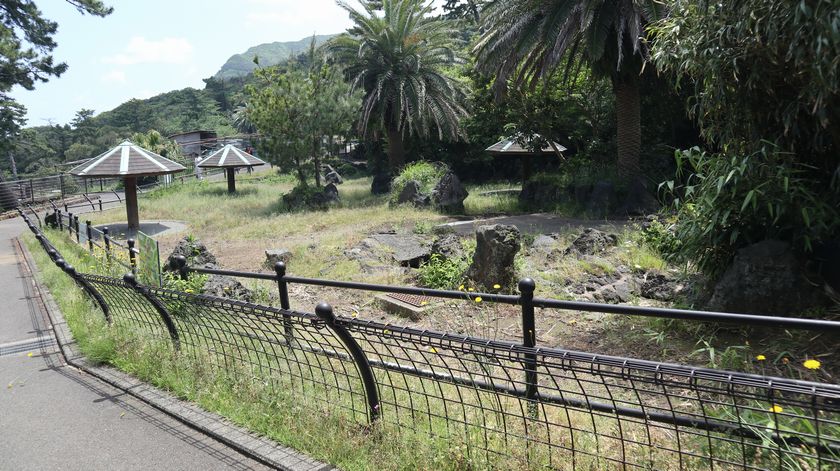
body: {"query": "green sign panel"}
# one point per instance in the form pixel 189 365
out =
pixel 148 260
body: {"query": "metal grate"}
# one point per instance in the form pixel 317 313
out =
pixel 412 299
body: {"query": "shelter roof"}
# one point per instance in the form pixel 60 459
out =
pixel 230 156
pixel 510 146
pixel 127 160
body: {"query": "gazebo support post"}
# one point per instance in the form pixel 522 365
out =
pixel 231 179
pixel 526 169
pixel 131 204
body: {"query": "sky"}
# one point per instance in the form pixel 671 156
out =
pixel 147 47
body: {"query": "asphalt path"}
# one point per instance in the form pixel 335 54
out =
pixel 53 416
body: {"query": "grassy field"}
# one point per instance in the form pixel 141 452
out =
pixel 239 228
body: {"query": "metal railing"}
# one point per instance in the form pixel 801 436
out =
pixel 506 404
pixel 58 188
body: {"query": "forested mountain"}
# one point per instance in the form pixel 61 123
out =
pixel 240 65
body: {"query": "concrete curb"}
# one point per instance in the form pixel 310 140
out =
pixel 261 449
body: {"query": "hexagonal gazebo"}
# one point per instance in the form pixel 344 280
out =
pixel 128 161
pixel 230 158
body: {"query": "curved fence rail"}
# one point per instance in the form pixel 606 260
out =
pixel 507 405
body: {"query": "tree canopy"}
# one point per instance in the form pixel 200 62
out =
pixel 397 58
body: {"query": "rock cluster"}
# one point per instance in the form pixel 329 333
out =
pixel 198 255
pixel 448 194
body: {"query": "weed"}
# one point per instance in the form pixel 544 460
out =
pixel 442 273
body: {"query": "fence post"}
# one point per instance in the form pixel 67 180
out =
pixel 61 185
pixel 529 339
pixel 325 312
pixel 31 191
pixel 76 224
pixel 280 270
pixel 131 281
pixel 70 224
pixel 86 287
pixel 100 203
pixel 180 262
pixel 60 218
pixel 132 255
pixel 89 232
pixel 106 239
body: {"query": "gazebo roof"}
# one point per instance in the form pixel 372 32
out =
pixel 127 160
pixel 230 156
pixel 509 146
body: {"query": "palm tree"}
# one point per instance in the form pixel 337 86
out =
pixel 395 57
pixel 525 40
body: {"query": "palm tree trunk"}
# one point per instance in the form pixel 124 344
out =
pixel 396 151
pixel 628 121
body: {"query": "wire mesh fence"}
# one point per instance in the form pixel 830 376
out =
pixel 507 405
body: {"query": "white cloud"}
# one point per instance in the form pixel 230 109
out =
pixel 114 76
pixel 140 50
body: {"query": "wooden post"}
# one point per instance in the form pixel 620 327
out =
pixel 231 180
pixel 131 204
pixel 526 169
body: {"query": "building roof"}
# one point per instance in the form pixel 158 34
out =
pixel 127 160
pixel 509 146
pixel 230 156
pixel 195 131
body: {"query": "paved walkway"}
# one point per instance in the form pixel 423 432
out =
pixel 56 417
pixel 538 223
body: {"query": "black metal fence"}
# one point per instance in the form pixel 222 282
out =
pixel 507 405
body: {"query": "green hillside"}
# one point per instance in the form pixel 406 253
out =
pixel 240 65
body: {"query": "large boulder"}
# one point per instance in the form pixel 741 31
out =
pixel 198 255
pixel 272 256
pixel 449 194
pixel 409 250
pixel 194 251
pixel 411 194
pixel 766 278
pixel 334 178
pixel 381 184
pixel 638 201
pixel 496 247
pixel 447 246
pixel 331 193
pixel 592 241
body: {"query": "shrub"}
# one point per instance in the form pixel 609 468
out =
pixel 304 198
pixel 425 173
pixel 732 201
pixel 442 273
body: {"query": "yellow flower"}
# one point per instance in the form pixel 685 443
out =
pixel 355 314
pixel 423 303
pixel 386 331
pixel 29 354
pixel 760 357
pixel 478 299
pixel 189 290
pixel 497 286
pixel 461 288
pixel 433 349
pixel 812 364
pixel 572 321
pixel 470 290
pixel 776 409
